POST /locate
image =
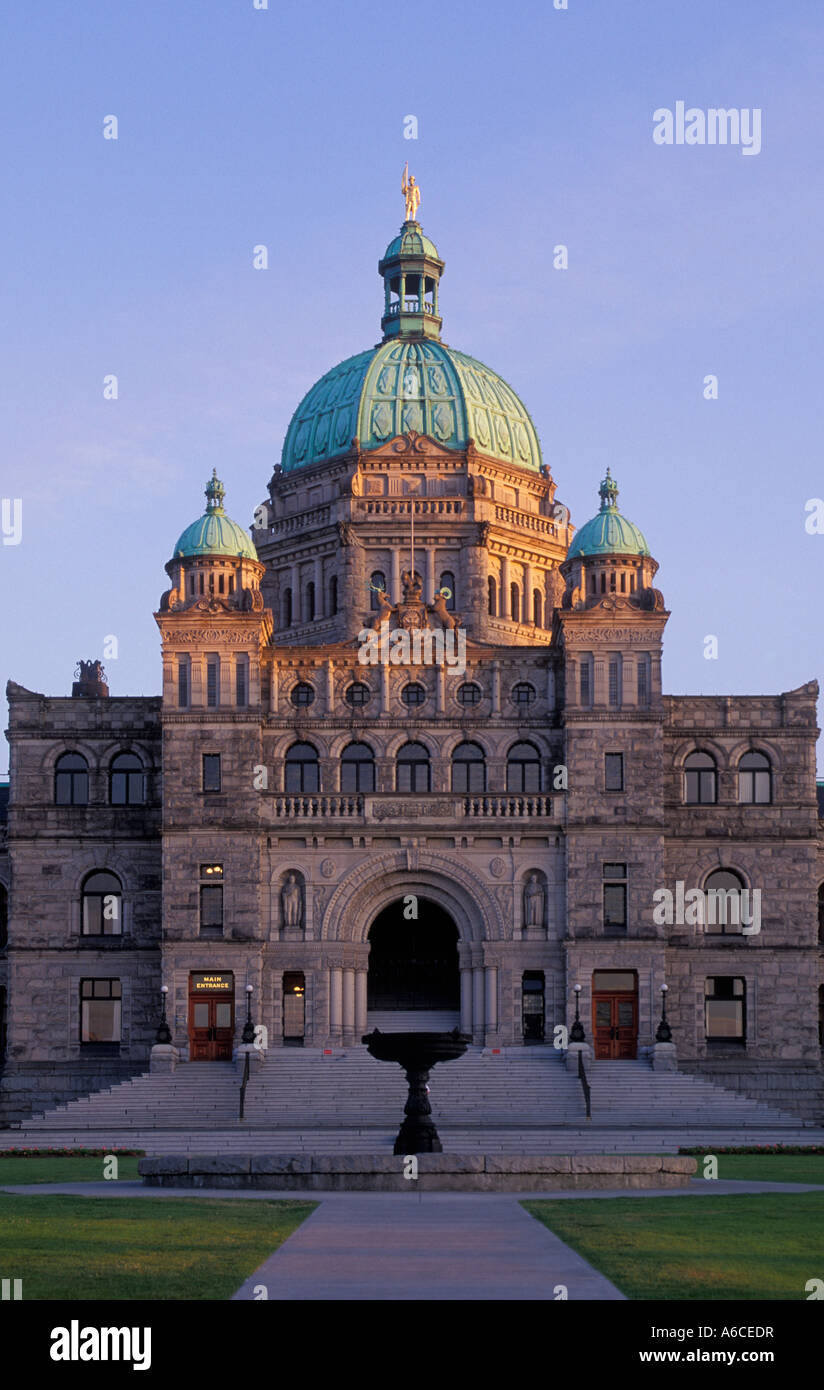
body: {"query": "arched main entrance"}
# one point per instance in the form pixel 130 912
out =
pixel 413 962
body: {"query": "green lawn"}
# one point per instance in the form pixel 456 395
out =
pixel 773 1167
pixel 139 1247
pixel 60 1169
pixel 748 1247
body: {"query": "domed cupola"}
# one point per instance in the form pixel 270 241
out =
pixel 412 382
pixel 609 556
pixel 411 269
pixel 214 562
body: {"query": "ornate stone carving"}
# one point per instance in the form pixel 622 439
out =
pixel 397 810
pixel 346 533
pixel 327 868
pixel 497 867
pixel 205 634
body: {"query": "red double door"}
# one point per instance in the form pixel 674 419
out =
pixel 211 1024
pixel 615 1017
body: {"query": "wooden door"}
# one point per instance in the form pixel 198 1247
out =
pixel 615 1025
pixel 211 1029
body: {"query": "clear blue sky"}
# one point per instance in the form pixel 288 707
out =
pixel 285 127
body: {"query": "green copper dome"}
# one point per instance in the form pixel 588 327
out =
pixel 411 384
pixel 215 533
pixel 608 533
pixel 411 380
pixel 411 242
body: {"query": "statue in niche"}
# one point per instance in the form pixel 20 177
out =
pixel 534 902
pixel 291 900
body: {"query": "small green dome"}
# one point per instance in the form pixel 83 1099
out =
pixel 411 242
pixel 215 533
pixel 411 384
pixel 608 533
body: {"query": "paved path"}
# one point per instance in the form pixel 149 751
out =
pixel 379 1246
pixel 434 1246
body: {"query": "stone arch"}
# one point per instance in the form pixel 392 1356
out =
pixel 467 735
pixel 90 752
pixel 413 735
pixel 372 886
pixel 700 745
pixel 754 745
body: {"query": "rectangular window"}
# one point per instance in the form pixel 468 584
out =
pixel 615 681
pixel 614 772
pixel 211 772
pixel 212 680
pixel 726 1009
pixel 242 680
pixel 615 899
pixel 211 899
pixel 586 681
pixel 183 682
pixel 100 1011
pixel 643 680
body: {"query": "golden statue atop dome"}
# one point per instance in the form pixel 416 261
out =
pixel 411 193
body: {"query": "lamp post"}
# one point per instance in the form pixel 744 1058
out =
pixel 576 1032
pixel 664 1033
pixel 163 1034
pixel 248 1027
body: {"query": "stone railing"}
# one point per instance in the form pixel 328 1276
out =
pixel 287 525
pixel 512 807
pixel 527 521
pixel 318 807
pixel 402 806
pixel 402 506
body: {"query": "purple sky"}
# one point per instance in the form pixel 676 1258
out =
pixel 285 127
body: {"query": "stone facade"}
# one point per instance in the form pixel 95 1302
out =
pixel 566 657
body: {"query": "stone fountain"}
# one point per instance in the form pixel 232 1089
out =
pixel 417 1053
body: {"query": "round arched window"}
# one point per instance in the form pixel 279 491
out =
pixel 302 769
pixel 102 904
pixel 357 768
pixel 127 781
pixel 302 695
pixel 413 694
pixel 358 694
pixel 468 768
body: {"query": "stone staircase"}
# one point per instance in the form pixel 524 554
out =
pixel 518 1100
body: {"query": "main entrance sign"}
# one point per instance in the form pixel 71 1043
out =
pixel 211 1016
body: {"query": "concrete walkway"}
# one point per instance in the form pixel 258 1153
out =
pixel 432 1246
pixel 444 1246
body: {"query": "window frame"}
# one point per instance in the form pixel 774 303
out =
pixel 621 778
pixel 72 774
pixel 615 883
pixel 211 758
pixel 700 773
pixel 138 772
pixel 738 1040
pixel 93 896
pixel 465 767
pixel 523 763
pixel 302 764
pixel 757 776
pixel 116 998
pixel 413 764
pixel 360 765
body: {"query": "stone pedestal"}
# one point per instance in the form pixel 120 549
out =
pixel 164 1057
pixel 571 1058
pixel 663 1057
pixel 256 1056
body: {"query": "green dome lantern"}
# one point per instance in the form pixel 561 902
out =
pixel 215 533
pixel 411 381
pixel 608 533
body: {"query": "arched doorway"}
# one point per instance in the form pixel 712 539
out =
pixel 413 966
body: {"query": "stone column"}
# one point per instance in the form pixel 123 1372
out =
pixel 440 688
pixel 276 1032
pixel 600 694
pixel 294 584
pixel 348 1007
pixel 360 1004
pixel 330 687
pixel 496 687
pixel 430 574
pixel 395 595
pixel 466 1000
pixel 528 585
pixel 384 687
pixel 491 998
pixel 505 581
pixel 478 1005
pixel 335 1004
pixel 320 606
